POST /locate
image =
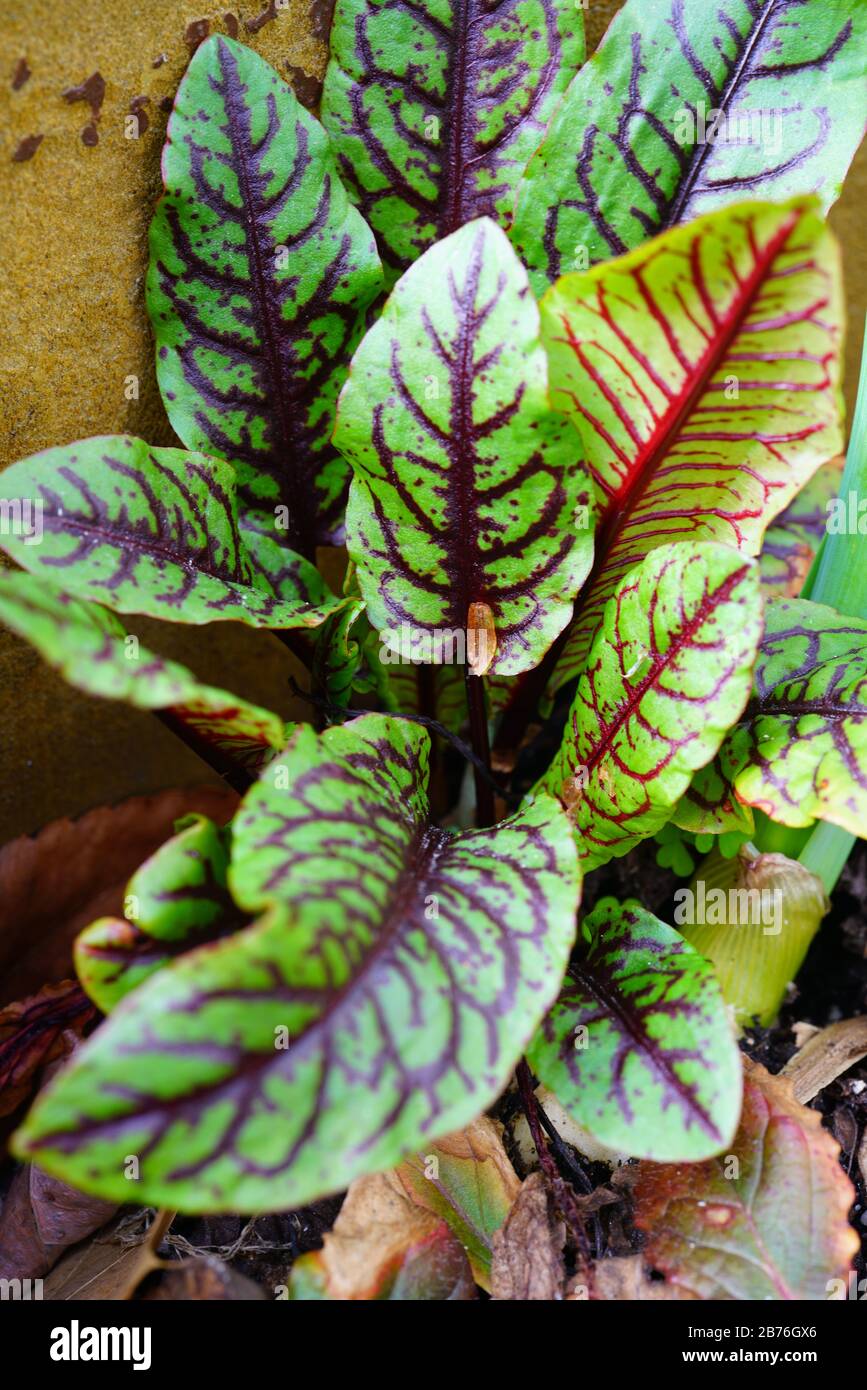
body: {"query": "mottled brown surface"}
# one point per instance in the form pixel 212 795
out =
pixel 74 248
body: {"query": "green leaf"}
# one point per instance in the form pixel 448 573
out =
pixel 639 1048
pixel 89 647
pixel 259 277
pixel 113 957
pixel 800 751
pixel 381 1004
pixel 182 891
pixel 792 541
pixel 687 107
pixel 703 373
pixel 709 805
pixel 668 675
pixel 155 531
pixel 435 109
pixel 176 900
pixel 346 658
pixel 466 486
pixel 767 1221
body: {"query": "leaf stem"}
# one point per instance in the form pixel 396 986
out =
pixel 485 810
pixel 826 852
pixel 560 1188
pixel 237 777
pixel 838 575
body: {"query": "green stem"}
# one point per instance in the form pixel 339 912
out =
pixel 826 852
pixel 838 575
pixel 838 578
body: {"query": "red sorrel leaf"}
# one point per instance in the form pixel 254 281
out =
pixel 799 753
pixel 669 672
pixel 688 106
pixel 383 1000
pixel 639 1047
pixel 91 649
pixel 260 274
pixel 434 110
pixel 793 539
pixel 176 900
pixel 468 490
pixel 703 373
pixel 154 531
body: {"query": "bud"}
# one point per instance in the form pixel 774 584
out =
pixel 481 638
pixel 755 963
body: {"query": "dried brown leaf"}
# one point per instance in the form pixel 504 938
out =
pixel 528 1248
pixel 385 1246
pixel 106 1267
pixel 204 1279
pixel 825 1056
pixel 41 1218
pixel 625 1279
pixel 54 883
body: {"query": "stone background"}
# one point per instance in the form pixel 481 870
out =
pixel 73 328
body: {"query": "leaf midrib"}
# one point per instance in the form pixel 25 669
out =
pixel 268 310
pixel 751 41
pixel 665 436
pixel 601 987
pixel 457 151
pixel 682 640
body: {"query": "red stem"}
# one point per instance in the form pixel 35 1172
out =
pixel 563 1194
pixel 485 811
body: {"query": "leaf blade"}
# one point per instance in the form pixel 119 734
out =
pixel 400 1027
pixel 684 109
pixel 435 110
pixel 156 531
pixel 657 1072
pixel 800 752
pixel 259 277
pixel 90 648
pixel 466 484
pixel 703 373
pixel 668 674
pixel 176 900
